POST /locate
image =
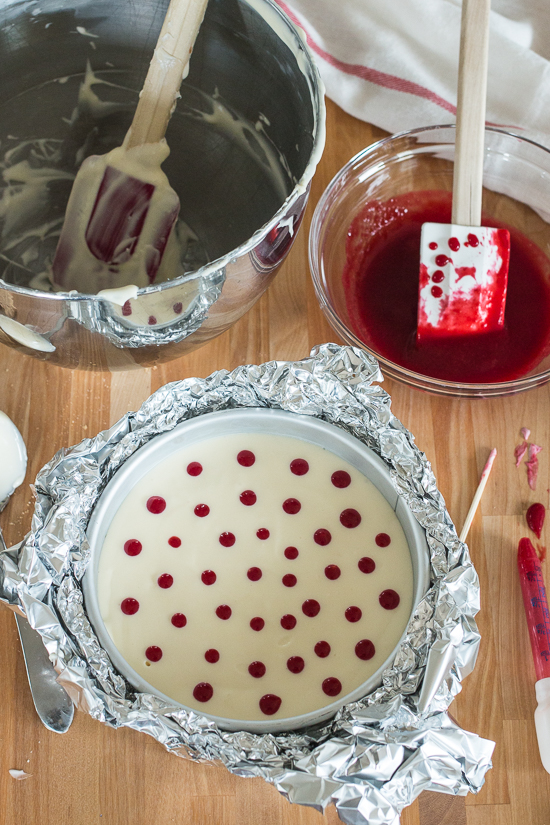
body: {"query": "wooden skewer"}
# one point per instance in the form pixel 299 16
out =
pixel 470 113
pixel 477 497
pixel 166 70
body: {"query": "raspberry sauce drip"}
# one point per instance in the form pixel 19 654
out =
pixel 341 479
pixel 389 599
pixel 366 564
pixel 365 649
pixel 332 686
pixel 270 704
pixel 350 518
pixel 311 608
pixel 179 620
pixel 299 466
pixel 203 692
pixel 535 518
pixel 133 547
pixel 322 537
pixel 295 664
pixel 156 505
pixel 322 649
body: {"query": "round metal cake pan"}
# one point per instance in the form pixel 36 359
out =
pixel 250 420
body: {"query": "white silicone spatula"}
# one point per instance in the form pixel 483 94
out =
pixel 122 209
pixel 464 266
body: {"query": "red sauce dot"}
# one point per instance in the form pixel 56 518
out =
pixel 442 260
pixel 341 479
pixel 350 518
pixel 153 653
pixel 248 498
pixel 156 505
pixel 257 669
pixel 454 244
pixel 246 458
pixel 291 553
pixel 126 308
pixel 289 580
pixel 203 692
pixel 254 574
pixel 165 581
pixel 438 276
pixel 436 291
pixel 179 620
pixel 129 606
pixel 152 320
pixel 365 649
pixel 332 686
pixel 292 506
pixel 473 240
pixel 299 466
pixel 353 613
pixel 295 664
pixel 432 245
pixel 257 623
pixel 288 621
pixel 177 308
pixel 201 510
pixel 322 649
pixel 223 612
pixel 332 572
pixel 366 564
pixel 382 540
pixel 208 577
pixel 194 468
pixel 389 599
pixel 270 704
pixel 227 539
pixel 174 541
pixel 212 656
pixel 133 547
pixel 262 533
pixel 322 537
pixel 311 607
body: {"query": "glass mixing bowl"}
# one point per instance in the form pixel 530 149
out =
pixel 244 142
pixel 516 181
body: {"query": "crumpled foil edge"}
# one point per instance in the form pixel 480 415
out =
pixel 376 755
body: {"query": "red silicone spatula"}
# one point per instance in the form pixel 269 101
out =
pixel 463 265
pixel 122 209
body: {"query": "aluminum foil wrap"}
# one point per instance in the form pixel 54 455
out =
pixel 375 756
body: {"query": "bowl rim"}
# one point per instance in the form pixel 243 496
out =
pixel 257 420
pixel 317 91
pixel 395 371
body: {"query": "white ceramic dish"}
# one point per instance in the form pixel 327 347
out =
pixel 249 420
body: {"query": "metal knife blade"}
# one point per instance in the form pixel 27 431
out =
pixel 51 700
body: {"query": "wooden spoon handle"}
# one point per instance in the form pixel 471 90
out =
pixel 470 113
pixel 171 56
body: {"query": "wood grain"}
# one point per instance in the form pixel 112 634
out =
pixel 96 774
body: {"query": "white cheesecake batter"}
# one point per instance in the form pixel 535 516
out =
pixel 255 592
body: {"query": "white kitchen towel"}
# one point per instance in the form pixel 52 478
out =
pixel 394 63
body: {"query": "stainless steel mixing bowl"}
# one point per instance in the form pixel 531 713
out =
pixel 243 189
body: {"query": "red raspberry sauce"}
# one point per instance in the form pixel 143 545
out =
pixel 156 505
pixel 203 692
pixel 270 704
pixel 133 547
pixel 381 279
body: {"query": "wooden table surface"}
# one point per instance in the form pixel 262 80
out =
pixel 96 774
